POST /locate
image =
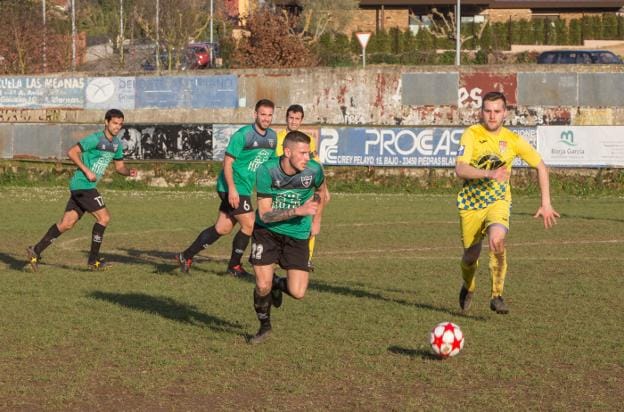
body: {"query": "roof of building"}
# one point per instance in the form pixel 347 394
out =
pixel 590 5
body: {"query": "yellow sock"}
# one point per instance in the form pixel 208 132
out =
pixel 468 273
pixel 498 271
pixel 311 244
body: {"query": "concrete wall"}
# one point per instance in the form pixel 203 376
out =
pixel 391 96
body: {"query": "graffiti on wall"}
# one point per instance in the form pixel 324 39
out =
pixel 472 87
pixel 167 142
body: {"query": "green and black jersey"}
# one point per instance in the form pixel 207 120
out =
pixel 288 192
pixel 97 153
pixel 249 149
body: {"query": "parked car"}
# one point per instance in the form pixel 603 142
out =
pixel 195 56
pixel 578 57
pixel 200 55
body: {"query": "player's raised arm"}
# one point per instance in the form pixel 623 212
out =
pixel 546 211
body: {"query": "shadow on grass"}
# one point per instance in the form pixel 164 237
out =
pixel 167 308
pixel 13 263
pixel 360 293
pixel 413 353
pixel 165 263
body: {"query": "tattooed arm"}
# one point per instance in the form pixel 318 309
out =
pixel 270 215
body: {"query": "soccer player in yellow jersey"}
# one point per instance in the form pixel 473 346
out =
pixel 484 160
pixel 294 118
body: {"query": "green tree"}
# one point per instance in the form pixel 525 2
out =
pixel 609 26
pixel 575 32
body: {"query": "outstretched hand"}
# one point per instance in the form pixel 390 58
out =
pixel 548 214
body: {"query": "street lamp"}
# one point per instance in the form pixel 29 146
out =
pixel 121 32
pixel 458 34
pixel 73 17
pixel 45 35
pixel 158 36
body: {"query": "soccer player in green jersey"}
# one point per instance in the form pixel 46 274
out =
pixel 289 209
pixel 484 160
pixel 294 119
pixel 249 147
pixel 92 155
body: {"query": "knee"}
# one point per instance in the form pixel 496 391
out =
pixel 470 257
pixel 223 229
pixel 497 245
pixel 263 288
pixel 104 219
pixel 246 227
pixel 297 294
pixel 65 225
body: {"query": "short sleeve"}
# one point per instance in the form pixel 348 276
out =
pixel 236 144
pixel 527 152
pixel 119 154
pixel 89 142
pixel 466 146
pixel 263 181
pixel 319 177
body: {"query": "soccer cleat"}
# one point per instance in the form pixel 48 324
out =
pixel 498 305
pixel 238 271
pixel 33 258
pixel 277 296
pixel 185 264
pixel 99 265
pixel 465 298
pixel 263 333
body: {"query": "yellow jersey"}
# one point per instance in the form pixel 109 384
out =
pixel 481 149
pixel 279 149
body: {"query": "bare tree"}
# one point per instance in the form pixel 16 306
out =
pixel 21 40
pixel 444 26
pixel 319 16
pixel 179 23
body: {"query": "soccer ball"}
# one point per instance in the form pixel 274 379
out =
pixel 446 339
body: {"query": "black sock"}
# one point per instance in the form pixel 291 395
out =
pixel 239 244
pixel 205 238
pixel 97 235
pixel 281 283
pixel 47 239
pixel 262 305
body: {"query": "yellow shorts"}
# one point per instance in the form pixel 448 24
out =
pixel 474 223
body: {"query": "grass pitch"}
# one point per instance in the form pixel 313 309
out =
pixel 143 336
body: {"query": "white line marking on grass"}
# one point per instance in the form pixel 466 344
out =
pixel 427 248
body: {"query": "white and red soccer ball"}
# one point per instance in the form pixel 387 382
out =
pixel 446 339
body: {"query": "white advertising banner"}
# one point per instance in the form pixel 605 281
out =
pixel 581 146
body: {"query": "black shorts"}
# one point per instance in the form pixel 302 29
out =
pixel 244 205
pixel 269 247
pixel 87 200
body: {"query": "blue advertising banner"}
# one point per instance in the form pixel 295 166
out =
pixel 214 92
pixel 399 147
pixel 187 92
pixel 110 92
pixel 42 92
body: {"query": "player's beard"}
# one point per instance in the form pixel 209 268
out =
pixel 294 166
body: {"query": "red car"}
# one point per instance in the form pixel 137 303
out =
pixel 198 56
